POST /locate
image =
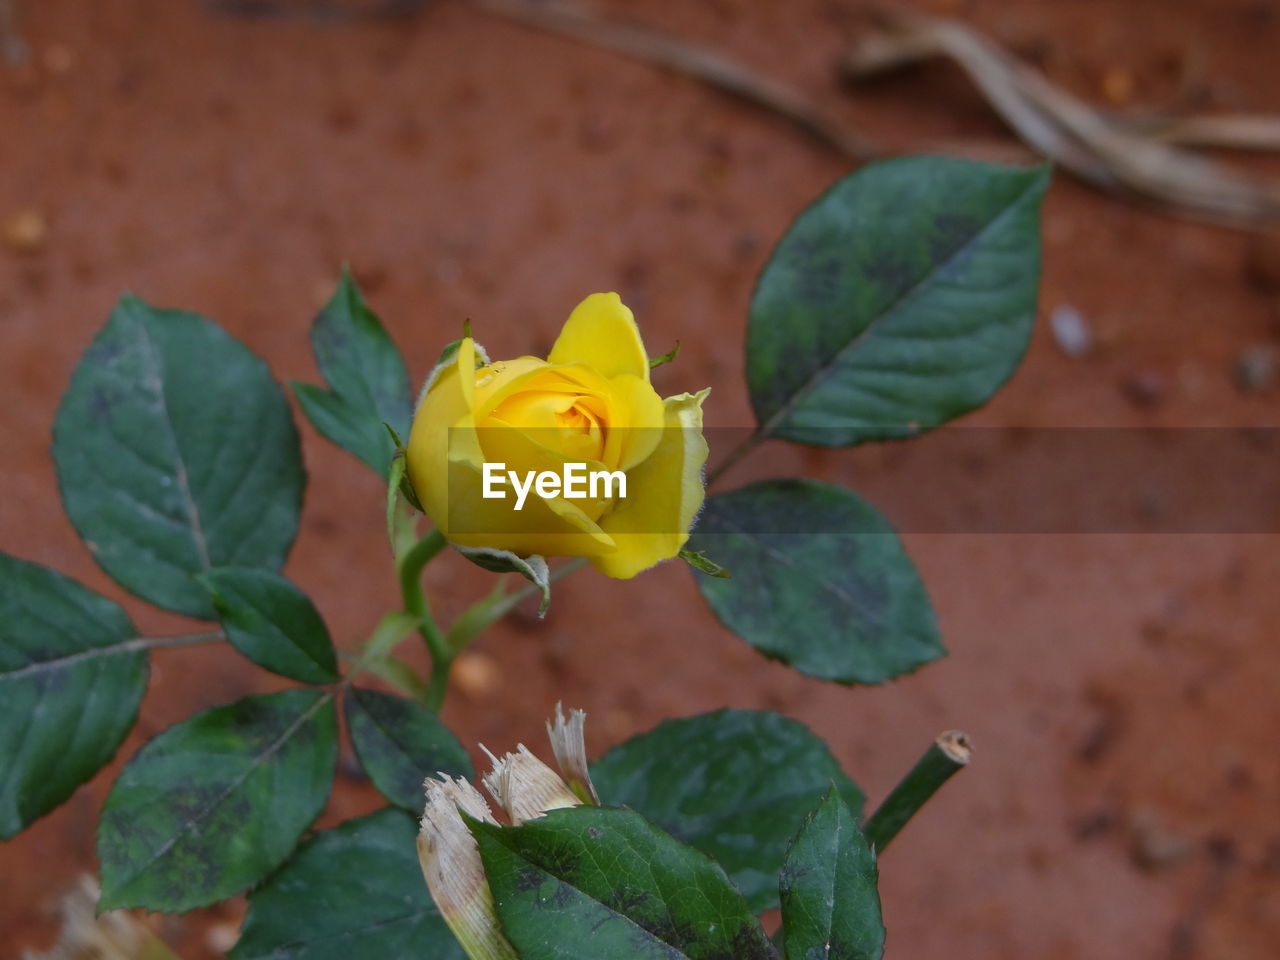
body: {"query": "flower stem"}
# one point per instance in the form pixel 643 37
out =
pixel 484 613
pixel 948 754
pixel 752 441
pixel 415 604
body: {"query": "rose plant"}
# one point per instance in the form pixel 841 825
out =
pixel 590 401
pixel 901 299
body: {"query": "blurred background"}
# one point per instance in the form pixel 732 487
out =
pixel 228 156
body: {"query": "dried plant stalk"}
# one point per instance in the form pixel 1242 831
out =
pixel 1105 151
pixel 723 73
pixel 451 866
pixel 114 935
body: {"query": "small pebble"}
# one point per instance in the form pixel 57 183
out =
pixel 221 937
pixel 1070 331
pixel 1117 86
pixel 1155 847
pixel 26 232
pixel 1145 388
pixel 58 59
pixel 1255 369
pixel 477 675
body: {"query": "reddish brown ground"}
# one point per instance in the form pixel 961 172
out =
pixel 1120 688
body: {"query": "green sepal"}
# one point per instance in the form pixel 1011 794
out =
pixel 665 357
pixel 700 561
pixel 533 568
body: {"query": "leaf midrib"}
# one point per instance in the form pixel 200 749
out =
pixel 257 761
pixel 133 644
pixel 789 561
pixel 767 428
pixel 680 951
pixel 184 485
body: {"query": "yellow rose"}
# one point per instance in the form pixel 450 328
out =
pixel 589 405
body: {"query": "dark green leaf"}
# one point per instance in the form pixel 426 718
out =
pixel 736 784
pixel 590 882
pixel 820 581
pixel 902 298
pixel 176 453
pixel 830 904
pixel 273 623
pixel 71 677
pixel 217 802
pixel 370 385
pixel 351 893
pixel 400 742
pixel 343 425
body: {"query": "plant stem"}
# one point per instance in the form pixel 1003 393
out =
pixel 391 629
pixel 438 683
pixel 946 755
pixel 737 453
pixel 124 646
pixel 483 614
pixel 184 640
pixel 415 604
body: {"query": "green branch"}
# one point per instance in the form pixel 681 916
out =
pixel 752 441
pixel 484 613
pixel 948 754
pixel 415 604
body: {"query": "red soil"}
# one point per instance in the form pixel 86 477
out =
pixel 1120 688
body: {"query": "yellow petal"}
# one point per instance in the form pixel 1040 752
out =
pixel 498 380
pixel 443 427
pixel 551 528
pixel 535 451
pixel 635 419
pixel 664 494
pixel 602 334
pixel 525 374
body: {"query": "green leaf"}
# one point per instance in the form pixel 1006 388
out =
pixel 71 677
pixel 902 298
pixel 350 893
pixel 590 882
pixel 273 623
pixel 214 804
pixel 343 425
pixel 398 674
pixel 830 904
pixel 176 453
pixel 400 742
pixel 820 581
pixel 735 784
pixel 364 368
